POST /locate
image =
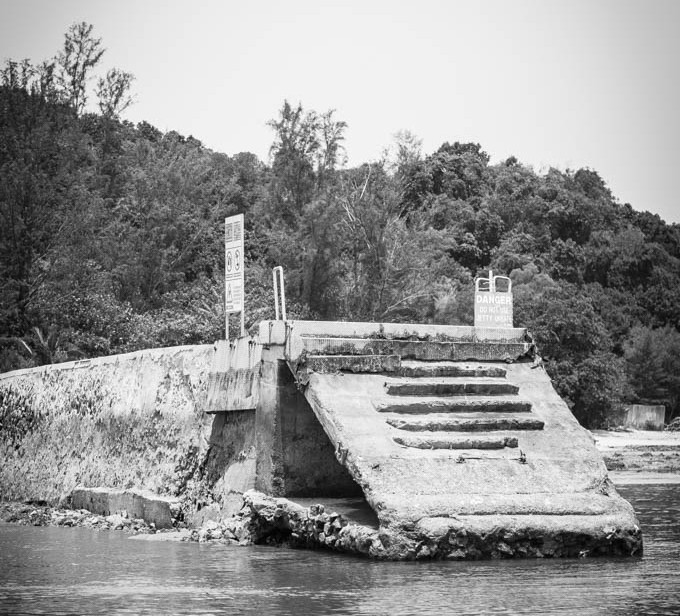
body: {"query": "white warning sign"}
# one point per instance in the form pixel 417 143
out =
pixel 493 309
pixel 233 264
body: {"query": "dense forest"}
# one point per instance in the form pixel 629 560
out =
pixel 111 238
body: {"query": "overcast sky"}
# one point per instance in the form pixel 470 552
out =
pixel 570 84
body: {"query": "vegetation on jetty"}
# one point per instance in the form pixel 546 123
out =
pixel 111 238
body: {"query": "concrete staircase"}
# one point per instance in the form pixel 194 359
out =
pixel 456 407
pixel 449 405
pixel 451 431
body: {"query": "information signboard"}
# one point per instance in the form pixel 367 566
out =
pixel 234 287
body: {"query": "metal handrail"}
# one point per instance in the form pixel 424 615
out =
pixel 491 282
pixel 279 270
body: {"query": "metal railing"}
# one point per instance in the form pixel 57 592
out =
pixel 489 284
pixel 282 291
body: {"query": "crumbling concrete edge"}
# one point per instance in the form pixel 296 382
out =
pixel 161 511
pixel 278 521
pixel 267 520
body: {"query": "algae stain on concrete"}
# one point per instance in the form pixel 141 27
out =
pixel 125 421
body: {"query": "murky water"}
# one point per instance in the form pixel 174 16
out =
pixel 52 570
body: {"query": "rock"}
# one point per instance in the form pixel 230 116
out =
pixel 424 552
pixel 504 548
pixel 115 520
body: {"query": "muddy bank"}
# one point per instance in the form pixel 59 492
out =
pixel 639 451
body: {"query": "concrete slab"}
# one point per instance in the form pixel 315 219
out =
pixel 134 504
pixel 276 332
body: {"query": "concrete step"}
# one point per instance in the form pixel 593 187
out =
pixel 447 441
pixel 482 387
pixel 410 368
pixel 353 363
pixel 454 404
pixel 478 422
pixel 424 350
pixel 484 506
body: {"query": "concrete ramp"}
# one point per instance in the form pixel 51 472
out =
pixel 462 459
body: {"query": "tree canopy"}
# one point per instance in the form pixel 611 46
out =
pixel 111 238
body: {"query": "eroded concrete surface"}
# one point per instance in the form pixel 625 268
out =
pixel 548 496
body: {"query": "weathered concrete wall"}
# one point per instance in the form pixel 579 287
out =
pixel 133 504
pixel 294 455
pixel 132 420
pixel 234 383
pixel 229 468
pixel 645 417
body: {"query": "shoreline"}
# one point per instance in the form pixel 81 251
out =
pixel 639 451
pixel 630 477
pixel 633 457
pixel 34 514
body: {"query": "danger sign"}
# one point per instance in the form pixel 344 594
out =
pixel 493 309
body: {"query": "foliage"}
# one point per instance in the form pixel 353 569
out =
pixel 653 366
pixel 111 238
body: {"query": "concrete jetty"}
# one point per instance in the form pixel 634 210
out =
pixel 454 436
pixel 422 441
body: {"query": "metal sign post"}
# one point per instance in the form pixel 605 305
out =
pixel 234 266
pixel 277 272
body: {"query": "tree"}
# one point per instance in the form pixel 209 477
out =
pixel 594 388
pixel 80 54
pixel 44 170
pixel 456 170
pixel 332 134
pixel 113 92
pixel 293 155
pixel 653 366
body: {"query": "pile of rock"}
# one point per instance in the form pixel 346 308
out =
pixel 43 515
pixel 278 521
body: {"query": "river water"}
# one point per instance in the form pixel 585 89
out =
pixel 56 570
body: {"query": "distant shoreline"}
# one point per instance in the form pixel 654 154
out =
pixel 626 478
pixel 640 452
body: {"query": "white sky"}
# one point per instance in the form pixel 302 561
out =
pixel 565 83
